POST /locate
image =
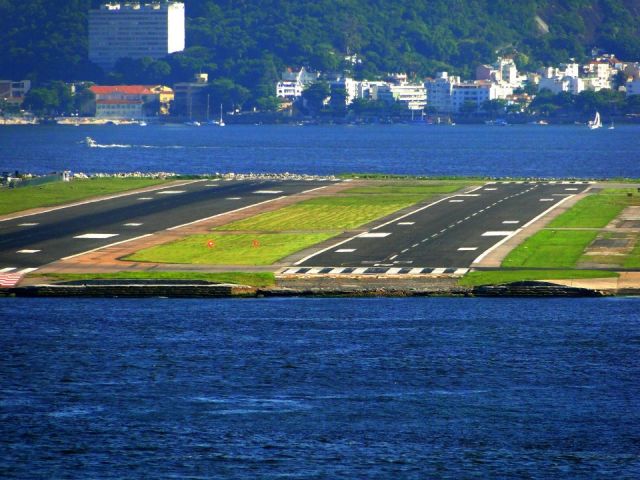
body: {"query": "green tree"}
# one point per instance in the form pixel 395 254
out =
pixel 315 95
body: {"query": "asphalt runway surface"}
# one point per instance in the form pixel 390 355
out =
pixel 30 241
pixel 449 234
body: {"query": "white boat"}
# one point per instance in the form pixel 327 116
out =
pixel 142 123
pixel 596 122
pixel 612 126
pixel 194 123
pixel 90 142
pixel 221 122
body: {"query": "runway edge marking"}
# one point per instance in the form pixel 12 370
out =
pixel 505 239
pixel 95 200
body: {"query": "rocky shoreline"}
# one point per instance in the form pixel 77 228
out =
pixel 140 289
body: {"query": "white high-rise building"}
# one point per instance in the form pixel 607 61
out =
pixel 135 30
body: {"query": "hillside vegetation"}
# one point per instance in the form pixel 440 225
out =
pixel 247 43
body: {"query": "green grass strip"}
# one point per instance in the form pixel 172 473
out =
pixel 236 249
pixel 259 279
pixel 550 248
pixel 596 211
pixel 633 259
pixel 498 277
pixel 17 199
pixel 326 213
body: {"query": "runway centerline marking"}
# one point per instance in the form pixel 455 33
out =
pixel 170 192
pixel 406 223
pixel 508 222
pixel 345 250
pixel 32 224
pixel 267 192
pixel 547 199
pixel 132 224
pixel 145 198
pixel 467 249
pixel 234 198
pixel 96 235
pixel 456 201
pixel 28 251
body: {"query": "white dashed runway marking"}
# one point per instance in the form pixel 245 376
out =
pixel 456 201
pixel 345 250
pixel 97 235
pixel 170 192
pixel 406 223
pixel 467 249
pixel 507 222
pixel 145 198
pixel 374 235
pixel 498 233
pixel 490 189
pixel 132 224
pixel 267 192
pixel 547 199
pixel 234 198
pixel 28 224
pixel 28 251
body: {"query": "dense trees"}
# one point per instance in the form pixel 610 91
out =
pixel 248 43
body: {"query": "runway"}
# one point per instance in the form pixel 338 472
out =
pixel 446 236
pixel 28 242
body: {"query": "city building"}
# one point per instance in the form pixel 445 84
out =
pixel 294 82
pixel 13 92
pixel 472 93
pixel 133 102
pixel 191 98
pixel 135 30
pixel 412 97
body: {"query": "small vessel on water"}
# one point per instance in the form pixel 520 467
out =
pixel 596 122
pixel 193 123
pixel 221 122
pixel 90 142
pixel 612 126
pixel 142 123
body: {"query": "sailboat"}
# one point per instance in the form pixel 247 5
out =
pixel 221 122
pixel 596 122
pixel 612 126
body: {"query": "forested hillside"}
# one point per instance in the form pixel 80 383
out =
pixel 248 42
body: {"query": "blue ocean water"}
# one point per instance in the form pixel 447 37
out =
pixel 479 150
pixel 320 389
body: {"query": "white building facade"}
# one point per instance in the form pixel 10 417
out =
pixel 135 30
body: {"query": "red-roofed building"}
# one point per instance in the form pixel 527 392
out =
pixel 131 101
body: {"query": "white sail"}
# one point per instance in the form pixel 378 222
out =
pixel 596 122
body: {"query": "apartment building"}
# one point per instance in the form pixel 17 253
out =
pixel 133 102
pixel 135 30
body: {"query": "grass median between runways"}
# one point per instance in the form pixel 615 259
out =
pixel 58 193
pixel 232 249
pixel 293 228
pixel 350 209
